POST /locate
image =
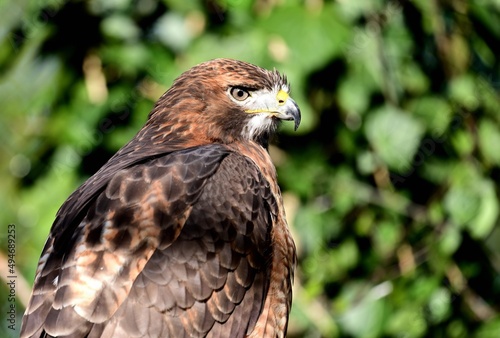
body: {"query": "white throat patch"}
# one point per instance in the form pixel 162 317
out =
pixel 257 124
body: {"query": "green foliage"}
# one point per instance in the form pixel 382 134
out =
pixel 390 183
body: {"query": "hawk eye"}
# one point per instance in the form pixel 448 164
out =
pixel 239 93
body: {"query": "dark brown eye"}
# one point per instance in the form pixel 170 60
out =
pixel 239 93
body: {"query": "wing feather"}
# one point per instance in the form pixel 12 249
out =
pixel 175 246
pixel 86 279
pixel 213 287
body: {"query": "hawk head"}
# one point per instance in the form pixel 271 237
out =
pixel 224 101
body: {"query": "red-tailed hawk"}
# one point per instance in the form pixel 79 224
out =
pixel 182 233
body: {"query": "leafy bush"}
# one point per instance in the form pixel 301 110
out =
pixel 390 183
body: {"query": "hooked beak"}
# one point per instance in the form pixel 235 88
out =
pixel 284 108
pixel 290 111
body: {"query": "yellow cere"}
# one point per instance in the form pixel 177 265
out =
pixel 282 97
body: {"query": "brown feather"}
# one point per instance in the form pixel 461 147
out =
pixel 181 234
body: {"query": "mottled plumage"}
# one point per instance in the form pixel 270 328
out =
pixel 182 233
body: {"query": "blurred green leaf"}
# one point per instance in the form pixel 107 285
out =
pixel 407 322
pixel 464 91
pixel 315 30
pixel 463 142
pixel 489 137
pixel 371 311
pixel 387 236
pixel 367 162
pixel 450 240
pixel 439 305
pixel 120 27
pixel 415 81
pixel 462 202
pixel 487 214
pixel 354 93
pixel 434 112
pixel 394 135
pixel 489 330
pixel 173 31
